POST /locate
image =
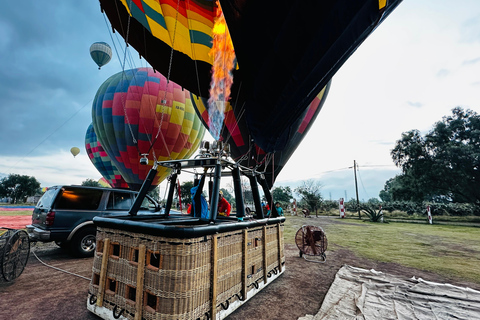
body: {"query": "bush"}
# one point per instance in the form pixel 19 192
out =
pixel 372 214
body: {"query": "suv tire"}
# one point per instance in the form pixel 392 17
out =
pixel 83 243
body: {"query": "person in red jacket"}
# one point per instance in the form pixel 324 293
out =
pixel 223 205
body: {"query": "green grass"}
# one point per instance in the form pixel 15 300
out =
pixel 443 249
pixel 27 212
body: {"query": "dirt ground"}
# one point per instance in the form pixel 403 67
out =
pixel 44 293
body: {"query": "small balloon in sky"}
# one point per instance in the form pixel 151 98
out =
pixel 75 151
pixel 101 53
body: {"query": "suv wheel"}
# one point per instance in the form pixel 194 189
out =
pixel 83 242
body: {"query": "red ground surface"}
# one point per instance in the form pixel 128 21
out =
pixel 15 222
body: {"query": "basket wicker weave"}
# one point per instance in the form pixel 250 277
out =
pixel 192 278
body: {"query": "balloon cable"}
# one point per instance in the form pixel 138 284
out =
pixel 165 96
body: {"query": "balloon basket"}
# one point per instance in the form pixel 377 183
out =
pixel 182 268
pixel 173 266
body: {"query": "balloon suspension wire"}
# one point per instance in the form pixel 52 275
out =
pixel 192 47
pixel 166 90
pixel 124 76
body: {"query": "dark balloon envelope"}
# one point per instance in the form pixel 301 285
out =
pixel 102 161
pixel 287 52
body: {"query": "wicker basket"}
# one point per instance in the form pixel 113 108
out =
pixel 144 276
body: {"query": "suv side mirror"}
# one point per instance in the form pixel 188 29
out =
pixel 153 207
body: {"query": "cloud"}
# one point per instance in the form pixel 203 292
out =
pixel 415 104
pixel 470 30
pixel 471 61
pixel 443 73
pixel 48 80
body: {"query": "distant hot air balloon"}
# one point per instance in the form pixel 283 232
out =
pixel 75 151
pixel 102 161
pixel 136 114
pixel 286 53
pixel 101 53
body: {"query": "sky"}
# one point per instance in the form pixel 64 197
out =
pixel 419 64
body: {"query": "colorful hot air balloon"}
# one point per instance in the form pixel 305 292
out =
pixel 104 183
pixel 102 161
pixel 101 53
pixel 286 54
pixel 75 151
pixel 136 114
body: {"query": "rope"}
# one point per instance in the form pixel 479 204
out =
pixel 58 269
pixel 165 96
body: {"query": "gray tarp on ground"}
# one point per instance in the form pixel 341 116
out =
pixel 368 294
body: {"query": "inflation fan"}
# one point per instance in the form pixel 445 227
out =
pixel 14 252
pixel 312 243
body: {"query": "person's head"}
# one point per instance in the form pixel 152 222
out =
pixel 277 204
pixel 220 194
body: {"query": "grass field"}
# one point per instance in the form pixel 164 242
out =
pixel 446 250
pixel 16 212
pixel 443 249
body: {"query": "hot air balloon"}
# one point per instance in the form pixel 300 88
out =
pixel 101 53
pixel 137 115
pixel 102 161
pixel 286 53
pixel 75 151
pixel 104 183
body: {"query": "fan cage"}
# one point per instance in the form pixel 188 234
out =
pixel 14 253
pixel 311 241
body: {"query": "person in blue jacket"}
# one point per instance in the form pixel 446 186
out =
pixel 199 203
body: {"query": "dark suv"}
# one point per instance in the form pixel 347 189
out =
pixel 64 214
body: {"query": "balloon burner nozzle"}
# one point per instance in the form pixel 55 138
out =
pixel 144 159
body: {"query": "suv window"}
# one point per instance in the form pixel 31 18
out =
pixel 79 199
pixel 119 201
pixel 47 199
pixel 147 204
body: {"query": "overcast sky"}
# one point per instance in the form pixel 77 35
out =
pixel 423 61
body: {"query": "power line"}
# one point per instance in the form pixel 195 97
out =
pixel 51 134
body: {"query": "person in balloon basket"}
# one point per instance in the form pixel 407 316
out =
pixel 223 205
pixel 199 203
pixel 266 209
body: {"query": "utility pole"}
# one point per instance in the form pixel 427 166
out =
pixel 356 187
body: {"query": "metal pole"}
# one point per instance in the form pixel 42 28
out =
pixel 356 187
pixel 215 192
pixel 143 191
pixel 237 184
pixel 256 197
pixel 168 205
pixel 268 196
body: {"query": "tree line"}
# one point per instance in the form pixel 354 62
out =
pixel 441 166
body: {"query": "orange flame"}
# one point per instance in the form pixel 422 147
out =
pixel 222 78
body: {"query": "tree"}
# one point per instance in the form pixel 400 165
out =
pixel 91 183
pixel 18 187
pixel 185 191
pixel 310 194
pixel 282 194
pixel 443 165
